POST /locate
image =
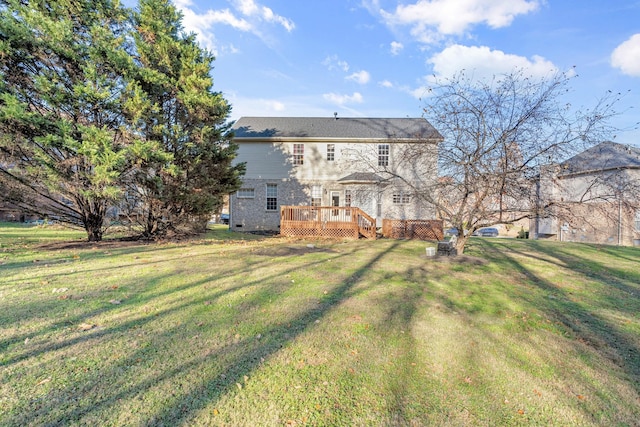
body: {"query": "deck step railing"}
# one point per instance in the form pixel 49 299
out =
pixel 366 225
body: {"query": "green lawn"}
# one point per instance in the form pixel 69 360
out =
pixel 243 331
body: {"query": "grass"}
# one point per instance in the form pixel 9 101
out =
pixel 236 329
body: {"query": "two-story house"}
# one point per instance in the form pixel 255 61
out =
pixel 593 197
pixel 380 165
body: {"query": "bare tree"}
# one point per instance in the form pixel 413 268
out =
pixel 497 135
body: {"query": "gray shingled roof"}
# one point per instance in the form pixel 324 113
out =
pixel 604 156
pixel 361 177
pixel 330 127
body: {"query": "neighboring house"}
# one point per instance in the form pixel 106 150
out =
pixel 593 197
pixel 9 213
pixel 370 163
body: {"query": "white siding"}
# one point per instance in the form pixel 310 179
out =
pixel 265 161
pixel 273 161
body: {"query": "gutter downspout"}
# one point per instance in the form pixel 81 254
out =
pixel 230 210
pixel 619 222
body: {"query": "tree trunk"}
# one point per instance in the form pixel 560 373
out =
pixel 94 234
pixel 151 224
pixel 93 226
pixel 461 243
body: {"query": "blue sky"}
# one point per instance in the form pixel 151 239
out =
pixel 374 58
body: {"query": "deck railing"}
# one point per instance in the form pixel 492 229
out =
pixel 327 221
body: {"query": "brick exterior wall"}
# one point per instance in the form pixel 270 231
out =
pixel 604 223
pixel 251 214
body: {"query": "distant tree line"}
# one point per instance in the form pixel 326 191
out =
pixel 108 111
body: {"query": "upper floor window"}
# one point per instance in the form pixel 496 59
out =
pixel 245 193
pixel 272 197
pixel 383 155
pixel 298 154
pixel 331 152
pixel 316 195
pixel 401 198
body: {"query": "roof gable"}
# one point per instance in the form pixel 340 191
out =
pixel 335 128
pixel 604 156
pixel 361 178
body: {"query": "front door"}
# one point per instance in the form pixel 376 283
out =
pixel 335 201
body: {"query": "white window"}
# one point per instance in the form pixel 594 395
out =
pixel 383 155
pixel 245 193
pixel 316 195
pixel 401 198
pixel 272 197
pixel 298 154
pixel 637 220
pixel 331 152
pixel 347 198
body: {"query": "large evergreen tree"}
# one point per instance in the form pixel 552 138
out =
pixel 101 107
pixel 63 142
pixel 185 117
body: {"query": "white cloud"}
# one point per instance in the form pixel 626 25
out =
pixel 430 20
pixel 361 77
pixel 332 62
pixel 247 7
pixel 626 57
pixel 386 83
pixel 180 4
pixel 396 47
pixel 277 106
pixel 251 8
pixel 201 24
pixel 254 14
pixel 485 63
pixel 481 63
pixel 339 99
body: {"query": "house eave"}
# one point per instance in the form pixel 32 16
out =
pixel 595 171
pixel 290 139
pixel 357 182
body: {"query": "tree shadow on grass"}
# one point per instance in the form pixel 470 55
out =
pixel 139 294
pixel 49 302
pixel 250 354
pixel 513 333
pixel 400 308
pixel 234 359
pixel 587 327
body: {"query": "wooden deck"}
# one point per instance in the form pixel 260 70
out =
pixel 326 221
